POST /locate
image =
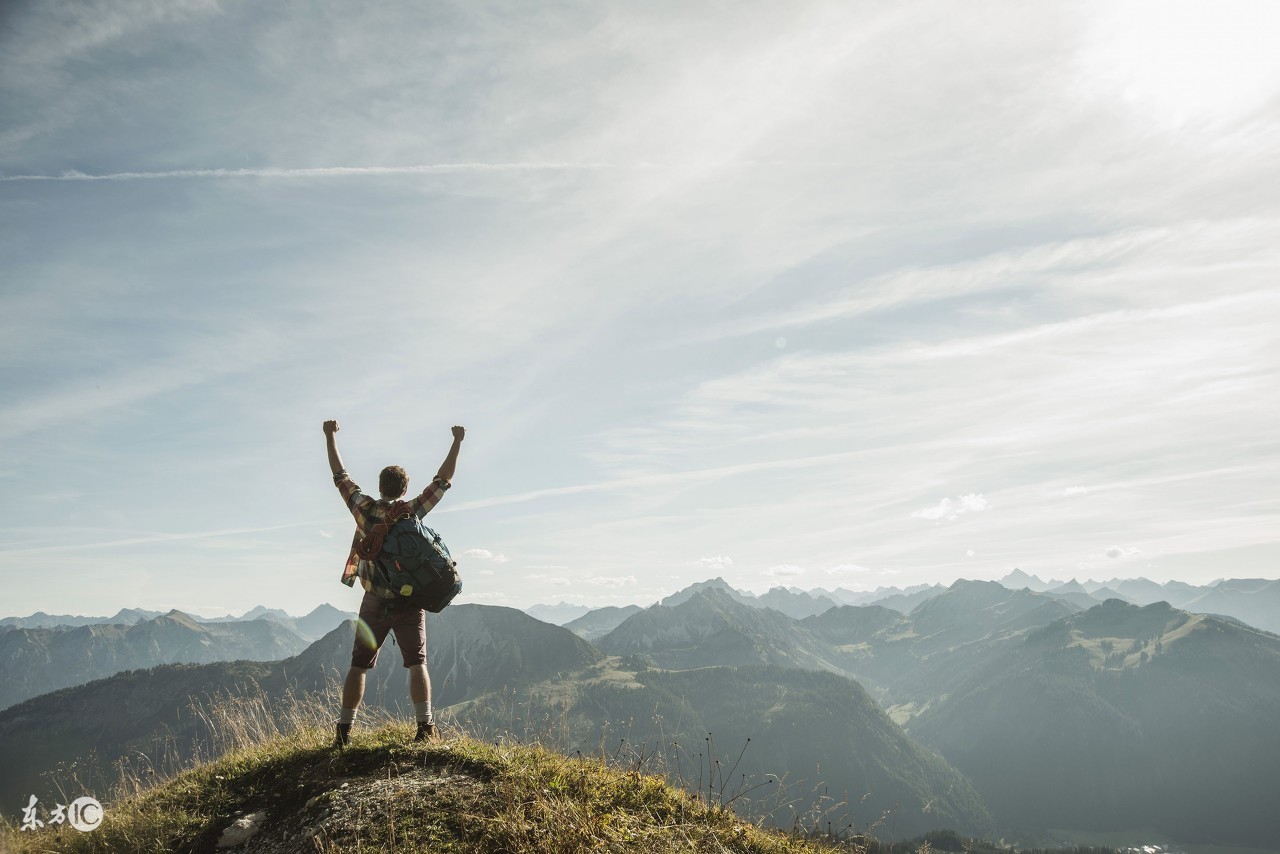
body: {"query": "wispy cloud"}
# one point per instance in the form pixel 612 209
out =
pixel 485 554
pixel 1090 263
pixel 845 569
pixel 948 509
pixel 554 580
pixel 195 361
pixel 150 539
pixel 786 570
pixel 690 476
pixel 314 172
pixel 610 580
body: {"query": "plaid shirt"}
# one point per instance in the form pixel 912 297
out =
pixel 370 511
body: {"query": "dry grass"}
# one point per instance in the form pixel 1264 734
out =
pixel 386 793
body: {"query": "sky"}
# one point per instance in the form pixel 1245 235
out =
pixel 808 294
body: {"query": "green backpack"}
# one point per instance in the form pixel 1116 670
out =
pixel 414 567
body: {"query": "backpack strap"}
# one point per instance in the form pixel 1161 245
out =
pixel 369 547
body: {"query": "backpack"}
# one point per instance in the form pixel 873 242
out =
pixel 414 567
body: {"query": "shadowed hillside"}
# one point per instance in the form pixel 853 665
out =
pixel 1121 717
pixel 820 733
pixel 34 661
pixel 473 649
pixel 601 621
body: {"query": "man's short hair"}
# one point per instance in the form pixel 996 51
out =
pixel 393 482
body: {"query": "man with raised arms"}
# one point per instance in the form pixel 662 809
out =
pixel 379 616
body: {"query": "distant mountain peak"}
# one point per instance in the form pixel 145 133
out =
pixel 324 608
pixel 1017 578
pixel 558 614
pixel 716 583
pixel 259 611
pixel 975 584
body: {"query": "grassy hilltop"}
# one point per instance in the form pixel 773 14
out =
pixel 386 793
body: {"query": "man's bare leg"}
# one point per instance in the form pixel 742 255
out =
pixel 353 688
pixel 352 694
pixel 420 694
pixel 419 684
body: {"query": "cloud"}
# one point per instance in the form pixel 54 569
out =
pixel 1075 490
pixel 485 554
pixel 1165 61
pixel 313 172
pixel 489 596
pixel 554 580
pixel 653 480
pixel 328 535
pixel 200 359
pixel 918 284
pixel 953 509
pixel 716 562
pixel 610 580
pixel 149 539
pixel 80 29
pixel 846 569
pixel 785 570
pixel 1116 552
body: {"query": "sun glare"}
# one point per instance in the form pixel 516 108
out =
pixel 1184 62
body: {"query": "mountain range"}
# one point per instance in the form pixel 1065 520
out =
pixel 982 707
pixel 1255 601
pixel 1104 718
pixel 40 659
pixel 319 621
pixel 1128 715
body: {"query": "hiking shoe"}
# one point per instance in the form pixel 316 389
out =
pixel 426 732
pixel 343 736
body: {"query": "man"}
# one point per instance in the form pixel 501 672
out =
pixel 377 615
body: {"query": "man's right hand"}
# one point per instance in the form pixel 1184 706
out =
pixel 458 433
pixel 330 427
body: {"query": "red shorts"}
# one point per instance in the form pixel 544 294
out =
pixel 376 619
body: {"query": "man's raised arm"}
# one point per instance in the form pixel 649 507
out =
pixel 451 461
pixel 335 460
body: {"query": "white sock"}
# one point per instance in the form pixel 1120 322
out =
pixel 422 711
pixel 346 716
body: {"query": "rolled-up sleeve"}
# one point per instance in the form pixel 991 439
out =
pixel 356 502
pixel 430 496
